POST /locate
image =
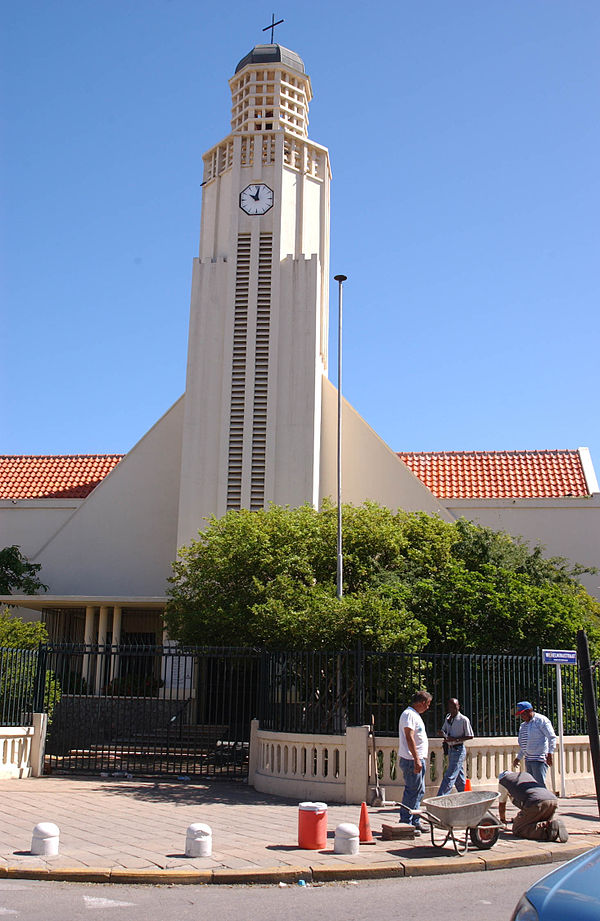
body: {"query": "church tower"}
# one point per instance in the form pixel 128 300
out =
pixel 259 308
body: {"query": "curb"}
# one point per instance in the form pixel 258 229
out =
pixel 436 866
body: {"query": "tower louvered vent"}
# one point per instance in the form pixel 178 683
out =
pixel 261 372
pixel 238 374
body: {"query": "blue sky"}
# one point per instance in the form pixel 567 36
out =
pixel 464 140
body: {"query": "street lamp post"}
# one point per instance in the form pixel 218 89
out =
pixel 340 568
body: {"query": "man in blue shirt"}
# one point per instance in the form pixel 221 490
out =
pixel 537 741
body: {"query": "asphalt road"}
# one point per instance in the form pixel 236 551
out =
pixel 460 897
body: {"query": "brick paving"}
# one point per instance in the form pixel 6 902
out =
pixel 136 825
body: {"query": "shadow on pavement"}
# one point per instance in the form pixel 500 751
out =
pixel 183 792
pixel 580 815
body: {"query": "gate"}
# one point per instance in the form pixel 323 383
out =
pixel 151 710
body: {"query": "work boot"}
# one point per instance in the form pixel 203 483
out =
pixel 558 831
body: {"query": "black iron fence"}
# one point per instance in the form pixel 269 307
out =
pixel 187 711
pixel 320 692
pixel 19 691
pixel 151 709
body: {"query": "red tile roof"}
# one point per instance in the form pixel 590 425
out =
pixel 55 476
pixel 499 474
pixel 448 474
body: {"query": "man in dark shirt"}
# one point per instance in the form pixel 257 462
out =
pixel 537 805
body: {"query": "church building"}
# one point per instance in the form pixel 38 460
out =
pixel 257 423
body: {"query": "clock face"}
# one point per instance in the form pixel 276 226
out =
pixel 256 199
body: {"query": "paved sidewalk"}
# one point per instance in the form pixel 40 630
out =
pixel 134 831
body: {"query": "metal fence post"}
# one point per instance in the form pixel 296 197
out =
pixel 591 708
pixel 468 686
pixel 263 714
pixel 359 710
pixel 39 681
pixel 538 677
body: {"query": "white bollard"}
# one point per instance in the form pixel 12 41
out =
pixel 198 840
pixel 44 841
pixel 347 839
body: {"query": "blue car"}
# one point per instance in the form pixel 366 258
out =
pixel 570 893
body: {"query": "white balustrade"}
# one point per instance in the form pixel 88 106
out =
pixel 301 764
pixel 335 769
pixel 22 748
pixel 15 751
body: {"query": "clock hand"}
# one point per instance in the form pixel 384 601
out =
pixel 257 196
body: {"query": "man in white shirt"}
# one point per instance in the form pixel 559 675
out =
pixel 413 748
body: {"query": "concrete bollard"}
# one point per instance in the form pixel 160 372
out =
pixel 198 840
pixel 346 839
pixel 44 841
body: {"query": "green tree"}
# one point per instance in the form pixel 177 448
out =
pixel 312 617
pixel 20 634
pixel 411 581
pixel 18 670
pixel 268 578
pixel 17 574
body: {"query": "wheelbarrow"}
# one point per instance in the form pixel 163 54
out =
pixel 461 811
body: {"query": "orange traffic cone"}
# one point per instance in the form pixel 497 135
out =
pixel 365 836
pixel 467 785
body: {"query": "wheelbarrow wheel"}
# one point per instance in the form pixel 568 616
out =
pixel 485 835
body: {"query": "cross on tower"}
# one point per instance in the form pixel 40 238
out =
pixel 272 26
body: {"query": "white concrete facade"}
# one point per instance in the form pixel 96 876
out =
pixel 122 538
pixel 30 523
pixel 566 527
pixel 370 469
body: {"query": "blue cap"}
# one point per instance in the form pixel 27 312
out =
pixel 523 705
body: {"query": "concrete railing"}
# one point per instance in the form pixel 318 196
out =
pixel 22 748
pixel 338 768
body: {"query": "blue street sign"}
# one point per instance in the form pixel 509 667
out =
pixel 559 657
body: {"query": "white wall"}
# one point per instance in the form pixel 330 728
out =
pixel 29 523
pixel 566 527
pixel 295 387
pixel 370 469
pixel 122 539
pixel 206 416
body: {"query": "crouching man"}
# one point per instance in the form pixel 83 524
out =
pixel 537 806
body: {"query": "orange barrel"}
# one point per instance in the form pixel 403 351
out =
pixel 312 826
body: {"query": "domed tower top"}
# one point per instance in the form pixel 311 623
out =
pixel 270 92
pixel 272 54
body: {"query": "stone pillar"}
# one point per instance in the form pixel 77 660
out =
pixel 102 630
pixel 103 625
pixel 554 772
pixel 116 627
pixel 89 637
pixel 116 639
pixel 357 764
pixel 254 751
pixel 38 743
